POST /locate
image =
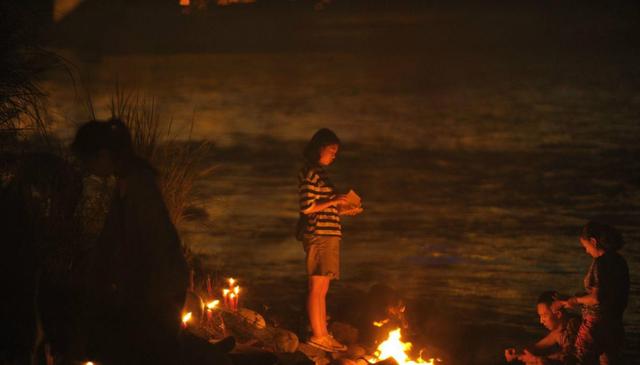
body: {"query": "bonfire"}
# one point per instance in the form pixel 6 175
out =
pixel 394 348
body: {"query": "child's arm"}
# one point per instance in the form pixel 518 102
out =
pixel 319 205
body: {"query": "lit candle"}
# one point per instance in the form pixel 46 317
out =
pixel 225 296
pixel 232 299
pixel 209 286
pixel 236 291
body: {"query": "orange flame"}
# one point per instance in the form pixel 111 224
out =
pixel 186 318
pixel 381 323
pixel 395 348
pixel 213 304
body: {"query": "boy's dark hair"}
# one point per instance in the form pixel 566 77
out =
pixel 94 135
pixel 322 138
pixel 607 237
pixel 548 297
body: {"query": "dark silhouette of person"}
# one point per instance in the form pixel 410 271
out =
pixel 139 275
pixel 37 225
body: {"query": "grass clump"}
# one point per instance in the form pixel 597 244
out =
pixel 179 162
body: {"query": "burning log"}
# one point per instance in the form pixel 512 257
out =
pixel 389 361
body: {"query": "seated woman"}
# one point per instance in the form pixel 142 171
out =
pixel 601 333
pixel 139 273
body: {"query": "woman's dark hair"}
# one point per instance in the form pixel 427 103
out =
pixel 607 237
pixel 93 136
pixel 322 138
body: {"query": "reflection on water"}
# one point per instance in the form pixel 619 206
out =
pixel 477 169
pixel 471 236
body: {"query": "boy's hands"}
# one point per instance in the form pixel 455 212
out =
pixel 530 359
pixel 510 354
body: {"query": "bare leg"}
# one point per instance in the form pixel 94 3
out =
pixel 316 305
pixel 323 304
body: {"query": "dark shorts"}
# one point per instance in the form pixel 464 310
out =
pixel 323 255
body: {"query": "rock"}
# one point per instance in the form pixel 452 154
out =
pixel 296 358
pixel 285 341
pixel 196 350
pixel 253 357
pixel 344 332
pixel 244 327
pixel 356 351
pixel 316 355
pixel 344 361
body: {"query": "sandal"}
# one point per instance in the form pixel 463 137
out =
pixel 338 346
pixel 323 343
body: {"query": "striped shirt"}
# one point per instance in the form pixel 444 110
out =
pixel 314 185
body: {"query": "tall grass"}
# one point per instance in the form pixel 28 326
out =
pixel 179 162
pixel 22 62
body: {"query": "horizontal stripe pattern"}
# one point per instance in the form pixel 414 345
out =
pixel 314 185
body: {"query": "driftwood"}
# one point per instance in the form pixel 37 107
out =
pixel 248 326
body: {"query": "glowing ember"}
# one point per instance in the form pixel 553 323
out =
pixel 213 304
pixel 381 323
pixel 186 318
pixel 395 348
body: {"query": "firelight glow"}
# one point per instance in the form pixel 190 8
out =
pixel 381 323
pixel 395 348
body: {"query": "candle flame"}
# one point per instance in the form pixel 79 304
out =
pixel 231 281
pixel 186 318
pixel 212 304
pixel 232 295
pixel 236 290
pixel 225 292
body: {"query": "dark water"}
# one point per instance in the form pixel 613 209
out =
pixel 479 141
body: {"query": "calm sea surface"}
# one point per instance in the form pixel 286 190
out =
pixel 477 162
